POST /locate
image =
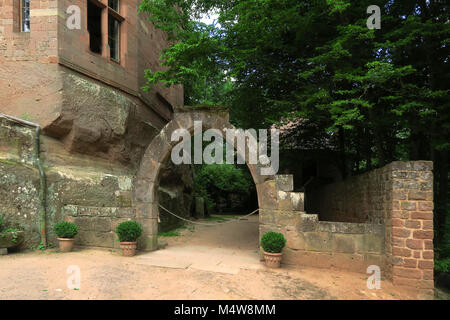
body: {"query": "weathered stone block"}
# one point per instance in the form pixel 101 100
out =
pixel 366 243
pixel 149 226
pixel 284 182
pixel 343 243
pixel 267 195
pixel 278 217
pixel 318 241
pixel 158 150
pixel 295 240
pixel 70 210
pixel 146 210
pixel 93 238
pixel 144 191
pixel 149 170
pixel 124 199
pixel 351 262
pixel 123 213
pixel 148 242
pixel 306 258
pixel 308 222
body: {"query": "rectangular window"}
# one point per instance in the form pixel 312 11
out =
pixel 25 15
pixel 114 38
pixel 114 4
pixel 114 21
pixel 94 26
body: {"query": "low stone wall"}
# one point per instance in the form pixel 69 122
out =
pixel 398 196
pixel 359 199
pixel 344 246
pixel 96 225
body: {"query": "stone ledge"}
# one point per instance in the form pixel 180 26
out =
pixel 348 227
pixel 87 211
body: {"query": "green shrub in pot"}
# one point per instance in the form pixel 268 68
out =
pixel 128 232
pixel 66 232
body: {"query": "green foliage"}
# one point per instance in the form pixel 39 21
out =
pixel 11 230
pixel 128 231
pixel 66 230
pixel 375 96
pixel 212 180
pixel 1 223
pixel 169 234
pixel 442 265
pixel 273 242
pixel 40 247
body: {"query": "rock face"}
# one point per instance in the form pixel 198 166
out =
pixel 90 166
pixel 98 120
pixel 87 116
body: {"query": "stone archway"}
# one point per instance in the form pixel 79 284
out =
pixel 158 152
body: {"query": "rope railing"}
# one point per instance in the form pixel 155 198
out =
pixel 203 223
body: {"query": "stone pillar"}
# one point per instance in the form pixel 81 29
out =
pixel 409 227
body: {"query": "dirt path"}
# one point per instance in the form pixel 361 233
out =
pixel 210 262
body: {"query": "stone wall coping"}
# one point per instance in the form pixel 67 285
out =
pixel 201 108
pixel 352 228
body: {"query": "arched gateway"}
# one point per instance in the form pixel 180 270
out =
pixel 325 244
pixel 158 153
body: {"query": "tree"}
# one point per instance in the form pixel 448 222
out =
pixel 378 95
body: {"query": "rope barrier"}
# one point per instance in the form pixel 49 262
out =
pixel 205 224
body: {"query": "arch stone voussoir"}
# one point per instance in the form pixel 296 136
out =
pixel 144 190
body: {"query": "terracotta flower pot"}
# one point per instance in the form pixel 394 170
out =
pixel 128 248
pixel 66 244
pixel 273 260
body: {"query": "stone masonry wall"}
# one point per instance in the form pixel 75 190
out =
pixel 41 44
pixel 359 199
pixel 310 242
pixel 96 199
pixel 400 196
pixel 409 225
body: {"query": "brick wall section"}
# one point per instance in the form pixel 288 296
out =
pixel 410 242
pixel 358 199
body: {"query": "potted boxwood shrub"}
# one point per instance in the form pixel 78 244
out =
pixel 66 231
pixel 9 237
pixel 128 232
pixel 272 244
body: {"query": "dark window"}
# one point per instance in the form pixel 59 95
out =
pixel 25 15
pixel 114 4
pixel 114 21
pixel 114 38
pixel 94 25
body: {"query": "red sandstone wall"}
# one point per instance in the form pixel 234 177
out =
pixel 409 227
pixel 50 41
pixel 400 196
pixel 140 48
pixel 41 44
